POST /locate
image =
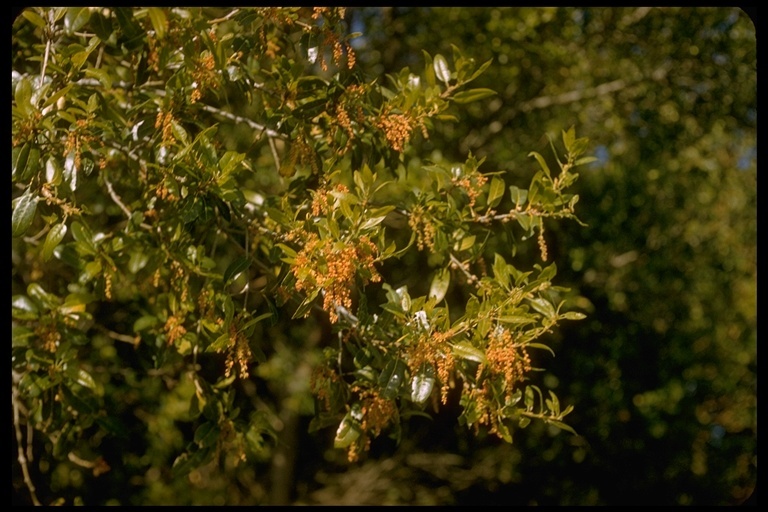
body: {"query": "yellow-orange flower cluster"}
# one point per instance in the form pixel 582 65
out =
pixel 76 139
pixel 332 267
pixel 320 384
pixel 424 229
pixel 434 349
pixel 47 331
pixel 397 129
pixel 472 185
pixel 204 75
pixel 173 328
pixel 377 413
pixel 165 119
pixel 238 353
pixel 506 358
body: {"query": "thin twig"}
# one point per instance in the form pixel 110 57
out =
pixel 119 202
pixel 572 96
pixel 119 337
pixel 116 198
pixel 274 152
pixel 238 119
pixel 224 18
pixel 20 445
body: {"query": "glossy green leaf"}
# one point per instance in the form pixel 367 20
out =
pixel 543 306
pixel 75 18
pixel 573 315
pixel 422 384
pixel 495 192
pixel 440 283
pixel 53 239
pixel 38 294
pixel 464 350
pixel 241 264
pixel 391 378
pixel 20 157
pixel 24 213
pixel 441 69
pixel 348 430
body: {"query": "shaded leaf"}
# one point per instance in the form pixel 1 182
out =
pixel 24 213
pixel 472 95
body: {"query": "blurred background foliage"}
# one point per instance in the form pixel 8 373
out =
pixel 662 373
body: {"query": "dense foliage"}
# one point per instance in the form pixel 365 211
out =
pixel 221 222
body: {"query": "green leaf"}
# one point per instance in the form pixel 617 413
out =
pixel 20 336
pixel 543 306
pixel 349 428
pixel 24 213
pixel 543 347
pixel 441 69
pixel 34 18
pixel 479 70
pixel 23 96
pixel 569 137
pixel 38 293
pixel 496 192
pixel 75 18
pixel 138 260
pixel 391 378
pixel 542 163
pixel 422 383
pixel 467 243
pixel 52 239
pixel 33 164
pixel 429 70
pixel 207 434
pixel 159 21
pixel 472 95
pixel 516 319
pixel 101 75
pixel 562 426
pixel 519 196
pixel 83 378
pixel 241 264
pixel 440 283
pixel 573 315
pixel 585 160
pixel 548 273
pixel 101 25
pixel 372 222
pixel 145 322
pixel 20 158
pixel 464 350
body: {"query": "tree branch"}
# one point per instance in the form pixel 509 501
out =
pixel 19 442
